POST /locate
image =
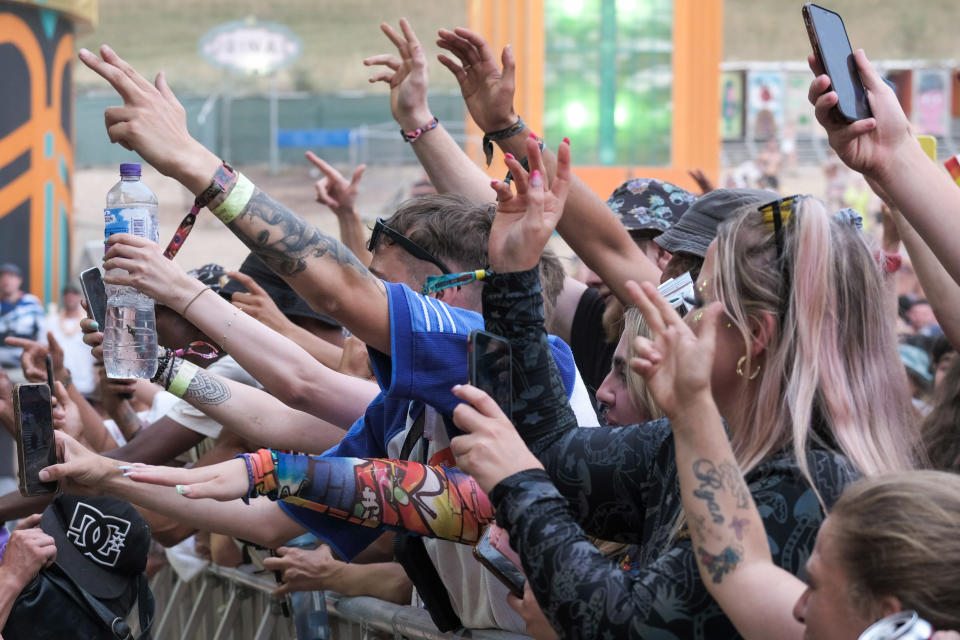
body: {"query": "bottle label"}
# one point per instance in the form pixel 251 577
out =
pixel 128 220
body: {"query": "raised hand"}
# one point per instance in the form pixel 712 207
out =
pixel 867 145
pixel 81 471
pixel 224 481
pixel 406 74
pixel 676 363
pixel 66 413
pixel 152 122
pixel 492 449
pixel 333 189
pixel 257 303
pixel 526 220
pixel 148 271
pixel 32 358
pixel 487 88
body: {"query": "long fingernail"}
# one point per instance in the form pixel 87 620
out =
pixel 181 490
pixel 508 156
pixel 533 135
pixel 536 179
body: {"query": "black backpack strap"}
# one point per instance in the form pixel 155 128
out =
pixel 409 551
pixel 146 606
pixel 117 625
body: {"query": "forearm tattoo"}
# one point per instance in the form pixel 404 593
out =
pixel 720 564
pixel 285 241
pixel 204 388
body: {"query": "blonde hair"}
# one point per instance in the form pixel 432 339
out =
pixel 831 374
pixel 897 536
pixel 634 324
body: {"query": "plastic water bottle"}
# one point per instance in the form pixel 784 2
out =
pixel 130 337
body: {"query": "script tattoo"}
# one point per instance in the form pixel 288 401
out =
pixel 710 482
pixel 284 240
pixel 720 564
pixel 733 481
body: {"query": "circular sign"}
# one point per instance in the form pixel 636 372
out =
pixel 250 47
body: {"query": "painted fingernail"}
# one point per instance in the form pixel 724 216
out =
pixel 536 179
pixel 533 136
pixel 95 324
pixel 181 490
pixel 124 467
pixel 456 387
pixel 127 474
pixel 493 183
pixel 508 156
pixel 567 140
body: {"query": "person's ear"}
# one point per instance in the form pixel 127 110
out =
pixel 889 605
pixel 761 330
pixel 663 257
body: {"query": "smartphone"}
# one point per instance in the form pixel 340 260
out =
pixel 830 43
pixel 49 361
pixel 36 447
pixel 491 368
pixel 91 281
pixel 497 562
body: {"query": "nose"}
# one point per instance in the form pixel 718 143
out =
pixel 605 392
pixel 800 609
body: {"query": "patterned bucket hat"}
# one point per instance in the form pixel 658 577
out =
pixel 647 204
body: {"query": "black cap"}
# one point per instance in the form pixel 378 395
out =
pixel 287 300
pixel 101 542
pixel 697 227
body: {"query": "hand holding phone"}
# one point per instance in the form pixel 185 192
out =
pixel 91 281
pixel 828 37
pixel 36 446
pixel 491 368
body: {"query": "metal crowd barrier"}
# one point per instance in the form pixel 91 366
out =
pixel 235 604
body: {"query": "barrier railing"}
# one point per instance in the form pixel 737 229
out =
pixel 236 604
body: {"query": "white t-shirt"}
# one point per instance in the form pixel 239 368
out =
pixel 76 355
pixel 185 414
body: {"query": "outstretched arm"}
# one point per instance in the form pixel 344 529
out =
pixel 884 150
pixel 328 276
pixel 488 93
pixel 449 168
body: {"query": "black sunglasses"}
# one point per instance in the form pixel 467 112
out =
pixel 777 214
pixel 409 245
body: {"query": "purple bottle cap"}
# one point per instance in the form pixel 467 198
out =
pixel 130 169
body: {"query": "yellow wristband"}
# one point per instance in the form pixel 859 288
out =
pixel 239 197
pixel 182 380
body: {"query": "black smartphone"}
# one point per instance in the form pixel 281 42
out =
pixel 497 563
pixel 49 361
pixel 491 368
pixel 91 281
pixel 830 43
pixel 36 447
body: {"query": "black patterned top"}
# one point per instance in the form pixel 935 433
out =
pixel 621 484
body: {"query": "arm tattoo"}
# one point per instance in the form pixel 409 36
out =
pixel 204 388
pixel 285 241
pixel 720 564
pixel 710 482
pixel 733 480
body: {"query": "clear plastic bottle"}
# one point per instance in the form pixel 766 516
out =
pixel 130 337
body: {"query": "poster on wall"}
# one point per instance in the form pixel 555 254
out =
pixel 931 101
pixel 798 112
pixel 731 105
pixel 765 104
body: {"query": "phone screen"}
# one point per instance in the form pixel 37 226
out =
pixel 35 437
pixel 491 368
pixel 829 38
pixel 499 565
pixel 91 281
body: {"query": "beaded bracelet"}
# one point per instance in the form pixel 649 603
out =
pixel 246 460
pixel 262 467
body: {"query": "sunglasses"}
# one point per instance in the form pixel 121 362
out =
pixel 778 214
pixel 411 247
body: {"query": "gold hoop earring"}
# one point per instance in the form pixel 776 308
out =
pixel 740 368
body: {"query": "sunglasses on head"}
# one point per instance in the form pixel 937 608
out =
pixel 411 247
pixel 778 214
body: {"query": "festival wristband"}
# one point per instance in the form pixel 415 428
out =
pixel 263 473
pixel 184 377
pixel 503 134
pixel 246 461
pixel 234 204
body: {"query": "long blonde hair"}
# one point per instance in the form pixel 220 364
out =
pixel 896 535
pixel 830 375
pixel 634 324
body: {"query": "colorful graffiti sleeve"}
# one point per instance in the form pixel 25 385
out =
pixel 432 501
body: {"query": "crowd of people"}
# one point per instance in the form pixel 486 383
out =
pixel 779 462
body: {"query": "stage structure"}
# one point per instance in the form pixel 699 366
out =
pixel 36 137
pixel 633 83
